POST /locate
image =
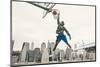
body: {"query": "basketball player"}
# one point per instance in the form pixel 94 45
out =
pixel 60 31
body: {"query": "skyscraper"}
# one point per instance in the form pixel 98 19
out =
pixel 56 54
pixel 43 46
pixel 30 56
pixel 45 53
pixel 61 55
pixel 45 56
pixel 50 50
pixel 24 50
pixel 37 55
pixel 32 46
pixel 68 53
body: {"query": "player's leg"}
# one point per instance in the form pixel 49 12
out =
pixel 68 45
pixel 57 42
pixel 65 40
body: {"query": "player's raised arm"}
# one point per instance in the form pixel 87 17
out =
pixel 67 32
pixel 58 22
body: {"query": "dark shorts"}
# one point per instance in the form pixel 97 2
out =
pixel 62 37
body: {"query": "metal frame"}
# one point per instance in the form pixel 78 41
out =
pixel 47 9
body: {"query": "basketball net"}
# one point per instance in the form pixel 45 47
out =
pixel 55 13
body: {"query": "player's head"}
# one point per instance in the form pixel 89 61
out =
pixel 62 23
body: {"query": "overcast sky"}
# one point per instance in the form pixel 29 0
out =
pixel 28 24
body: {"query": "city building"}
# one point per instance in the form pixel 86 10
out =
pixel 43 47
pixel 15 56
pixel 90 55
pixel 45 56
pixel 37 55
pixel 56 54
pixel 30 56
pixel 45 53
pixel 50 50
pixel 68 54
pixel 32 46
pixel 61 55
pixel 24 50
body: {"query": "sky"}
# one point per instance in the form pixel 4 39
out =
pixel 29 26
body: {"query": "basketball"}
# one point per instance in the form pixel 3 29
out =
pixel 54 12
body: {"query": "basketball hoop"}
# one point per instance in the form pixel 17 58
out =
pixel 55 13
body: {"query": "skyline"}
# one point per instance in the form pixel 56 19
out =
pixel 32 44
